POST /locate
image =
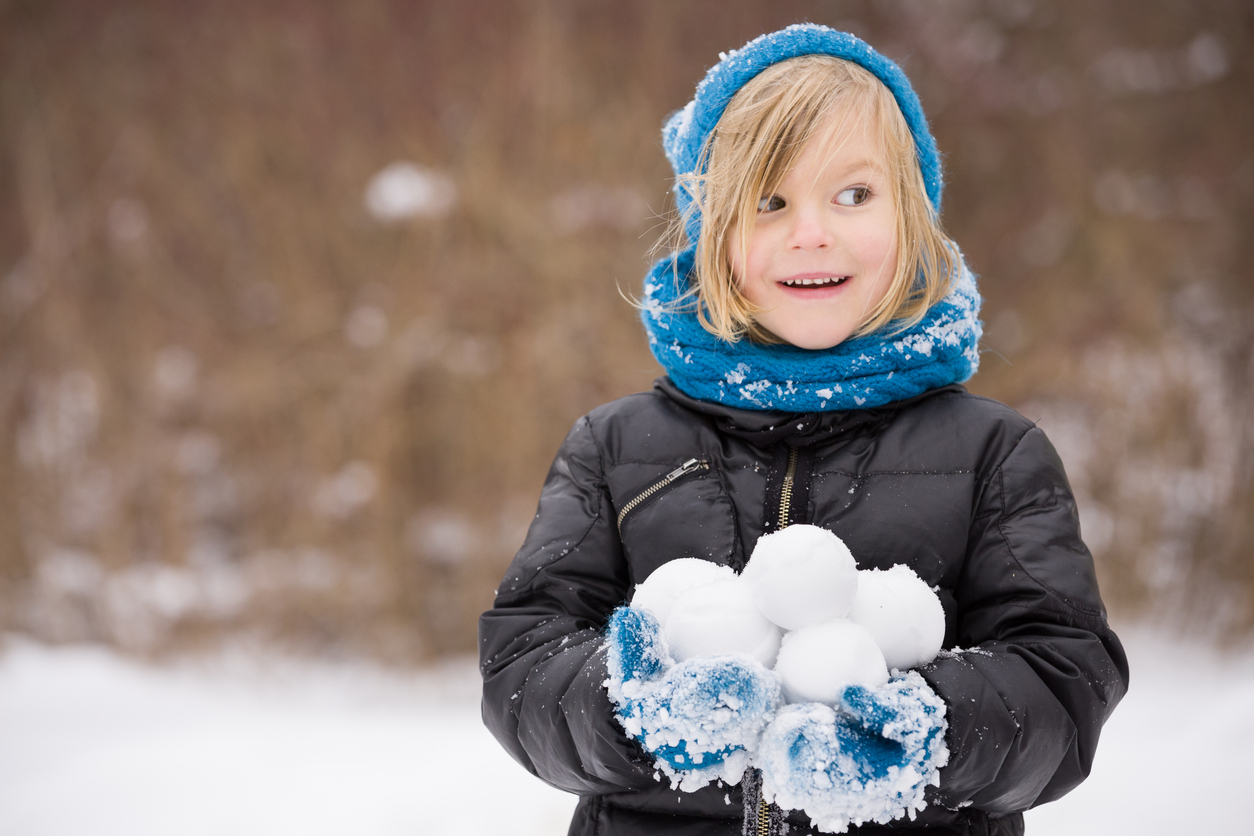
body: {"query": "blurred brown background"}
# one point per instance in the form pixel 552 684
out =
pixel 297 299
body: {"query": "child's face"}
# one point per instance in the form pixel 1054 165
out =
pixel 832 223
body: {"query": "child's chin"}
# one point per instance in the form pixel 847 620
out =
pixel 816 342
pixel 816 335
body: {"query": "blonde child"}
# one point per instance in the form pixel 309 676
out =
pixel 815 324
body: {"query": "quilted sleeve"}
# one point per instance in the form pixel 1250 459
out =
pixel 541 647
pixel 1041 670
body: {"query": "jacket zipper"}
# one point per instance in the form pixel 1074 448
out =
pixel 690 466
pixel 785 492
pixel 785 508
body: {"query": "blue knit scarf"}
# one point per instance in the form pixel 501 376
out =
pixel 865 372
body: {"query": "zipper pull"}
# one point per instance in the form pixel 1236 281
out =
pixel 686 467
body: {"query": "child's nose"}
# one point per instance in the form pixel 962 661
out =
pixel 811 230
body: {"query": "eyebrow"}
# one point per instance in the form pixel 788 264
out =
pixel 857 165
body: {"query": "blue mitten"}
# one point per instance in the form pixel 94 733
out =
pixel 700 719
pixel 869 759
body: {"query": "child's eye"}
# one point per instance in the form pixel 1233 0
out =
pixel 856 196
pixel 772 203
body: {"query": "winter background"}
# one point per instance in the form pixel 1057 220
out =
pixel 297 299
pixel 238 743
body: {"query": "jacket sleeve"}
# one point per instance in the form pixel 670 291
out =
pixel 1042 670
pixel 540 646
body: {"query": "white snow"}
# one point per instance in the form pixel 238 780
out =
pixel 712 706
pixel 901 613
pixel 802 575
pixel 806 767
pixel 94 743
pixel 657 593
pixel 717 618
pixel 702 717
pixel 817 663
pixel 405 190
pixel 1174 757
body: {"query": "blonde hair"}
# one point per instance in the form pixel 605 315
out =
pixel 762 132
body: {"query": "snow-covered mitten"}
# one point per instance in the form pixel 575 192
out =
pixel 701 719
pixel 869 759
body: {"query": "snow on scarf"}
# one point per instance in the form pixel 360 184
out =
pixel 858 373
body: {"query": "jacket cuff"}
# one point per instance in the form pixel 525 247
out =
pixel 992 763
pixel 605 750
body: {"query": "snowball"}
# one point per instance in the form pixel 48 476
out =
pixel 670 580
pixel 816 663
pixel 902 614
pixel 720 618
pixel 802 575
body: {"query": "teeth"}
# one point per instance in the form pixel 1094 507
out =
pixel 830 280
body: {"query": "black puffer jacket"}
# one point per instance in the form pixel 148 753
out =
pixel 962 489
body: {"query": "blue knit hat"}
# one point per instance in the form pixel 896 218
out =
pixel 858 373
pixel 685 132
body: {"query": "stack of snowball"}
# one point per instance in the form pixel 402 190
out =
pixel 802 607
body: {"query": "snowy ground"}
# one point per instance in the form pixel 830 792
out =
pixel 93 743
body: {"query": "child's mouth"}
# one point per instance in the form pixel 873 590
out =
pixel 818 283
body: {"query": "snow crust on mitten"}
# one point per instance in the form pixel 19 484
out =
pixel 802 575
pixel 902 613
pixel 700 719
pixel 817 663
pixel 869 760
pixel 636 647
pixel 717 618
pixel 667 582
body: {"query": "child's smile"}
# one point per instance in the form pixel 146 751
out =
pixel 823 250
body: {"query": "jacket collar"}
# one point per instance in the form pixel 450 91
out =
pixel 796 429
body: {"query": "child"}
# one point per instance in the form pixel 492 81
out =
pixel 814 331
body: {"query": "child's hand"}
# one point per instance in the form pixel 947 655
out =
pixel 637 650
pixel 700 719
pixel 869 760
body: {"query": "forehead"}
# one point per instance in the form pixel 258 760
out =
pixel 849 138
